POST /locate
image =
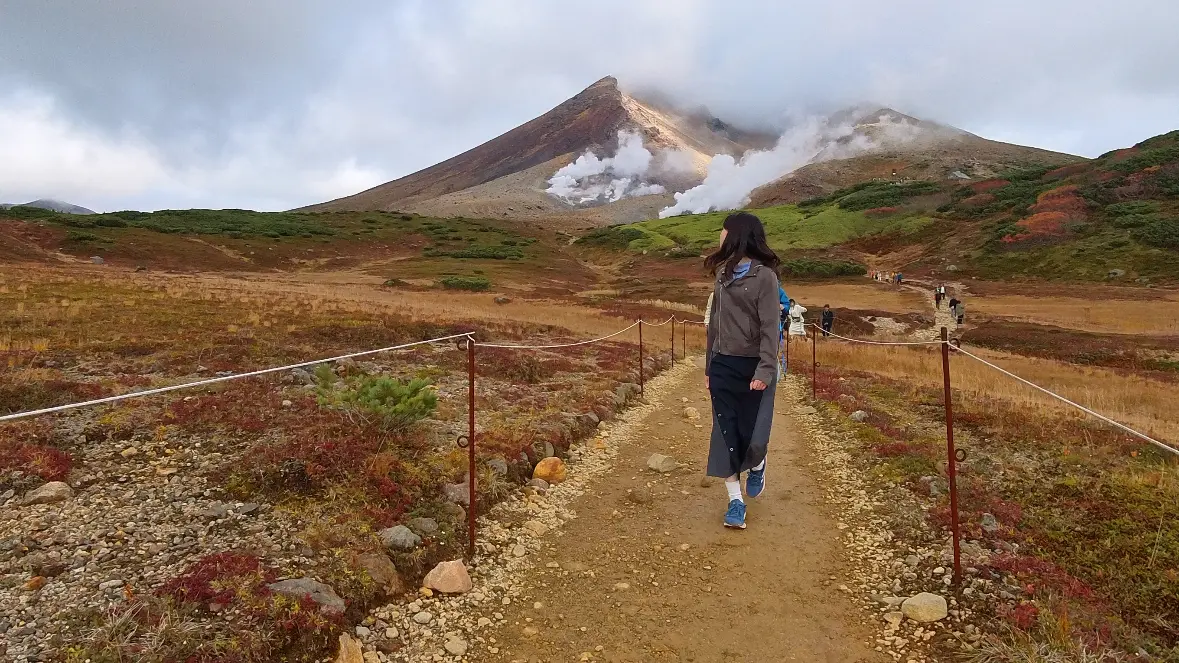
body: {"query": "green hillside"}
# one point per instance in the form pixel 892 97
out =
pixel 1114 217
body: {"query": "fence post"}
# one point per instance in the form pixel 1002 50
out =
pixel 951 457
pixel 673 341
pixel 814 363
pixel 471 448
pixel 642 384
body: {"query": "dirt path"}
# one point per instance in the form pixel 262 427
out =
pixel 646 572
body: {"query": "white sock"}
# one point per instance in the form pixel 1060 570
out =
pixel 733 485
pixel 761 466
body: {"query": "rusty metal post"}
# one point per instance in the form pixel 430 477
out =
pixel 814 363
pixel 642 382
pixel 471 448
pixel 673 341
pixel 951 457
pixel 684 326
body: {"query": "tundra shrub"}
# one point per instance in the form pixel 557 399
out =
pixel 393 403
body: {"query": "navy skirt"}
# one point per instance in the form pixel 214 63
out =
pixel 741 417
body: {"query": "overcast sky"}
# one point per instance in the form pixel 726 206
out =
pixel 272 104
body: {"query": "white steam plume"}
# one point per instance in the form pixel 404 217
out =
pixel 729 181
pixel 590 180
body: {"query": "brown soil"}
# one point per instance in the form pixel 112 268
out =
pixel 763 594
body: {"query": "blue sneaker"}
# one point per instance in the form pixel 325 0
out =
pixel 755 482
pixel 735 516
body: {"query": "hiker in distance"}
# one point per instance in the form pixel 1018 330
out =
pixel 797 313
pixel 742 355
pixel 827 319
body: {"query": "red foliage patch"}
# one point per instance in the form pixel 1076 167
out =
pixel 1022 616
pixel 1041 574
pixel 879 212
pixel 893 449
pixel 27 448
pixel 979 200
pixel 1066 171
pixel 989 185
pixel 206 580
pixel 1053 210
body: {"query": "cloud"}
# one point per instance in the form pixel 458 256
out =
pixel 293 97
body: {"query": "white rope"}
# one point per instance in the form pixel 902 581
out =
pixel 1057 396
pixel 224 378
pixel 659 324
pixel 857 340
pixel 690 322
pixel 553 347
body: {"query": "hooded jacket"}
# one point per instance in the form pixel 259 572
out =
pixel 744 319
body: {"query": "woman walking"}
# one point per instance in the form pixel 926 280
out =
pixel 797 313
pixel 741 362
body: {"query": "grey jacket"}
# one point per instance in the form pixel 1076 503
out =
pixel 743 320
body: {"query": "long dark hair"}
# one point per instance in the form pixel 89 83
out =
pixel 746 239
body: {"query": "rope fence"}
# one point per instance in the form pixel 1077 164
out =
pixel 464 341
pixel 954 455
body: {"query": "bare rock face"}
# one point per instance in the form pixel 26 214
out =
pixel 552 470
pixel 51 493
pixel 449 578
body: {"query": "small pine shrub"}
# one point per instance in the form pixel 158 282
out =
pixel 394 404
pixel 471 283
pixel 1161 232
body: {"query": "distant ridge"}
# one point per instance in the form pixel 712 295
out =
pixel 52 205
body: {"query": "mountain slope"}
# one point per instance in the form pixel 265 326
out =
pixel 920 150
pixel 51 205
pixel 591 120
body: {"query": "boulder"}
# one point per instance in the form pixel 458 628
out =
pixel 458 493
pixel 807 409
pixel 552 470
pixel 350 650
pixel 322 595
pixel 97 260
pixel 456 646
pixel 449 578
pixel 990 523
pixel 539 484
pixel 925 607
pixel 499 465
pixel 50 493
pixel 380 568
pixel 691 414
pixel 423 526
pixel 503 300
pixel 661 463
pixel 544 450
pixel 1117 273
pixel 399 538
pixel 859 416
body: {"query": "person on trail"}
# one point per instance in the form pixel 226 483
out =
pixel 740 367
pixel 828 319
pixel 900 277
pixel 797 319
pixel 953 306
pixel 937 297
pixel 960 311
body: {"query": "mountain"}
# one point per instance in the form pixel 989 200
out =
pixel 52 205
pixel 1113 218
pixel 606 156
pixel 903 148
pixel 508 175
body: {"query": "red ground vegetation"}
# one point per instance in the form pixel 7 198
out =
pixel 986 186
pixel 881 212
pixel 1054 209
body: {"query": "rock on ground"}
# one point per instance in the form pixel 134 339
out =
pixel 51 493
pixel 925 607
pixel 322 595
pixel 350 650
pixel 380 568
pixel 551 470
pixel 661 463
pixel 859 415
pixel 400 538
pixel 449 578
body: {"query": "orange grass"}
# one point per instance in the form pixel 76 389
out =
pixel 1109 316
pixel 1146 405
